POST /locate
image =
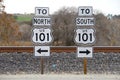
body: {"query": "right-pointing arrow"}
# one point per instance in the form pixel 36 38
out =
pixel 85 52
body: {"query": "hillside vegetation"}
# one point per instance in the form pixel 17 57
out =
pixel 9 29
pixel 63 25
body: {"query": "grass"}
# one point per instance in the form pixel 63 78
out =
pixel 22 18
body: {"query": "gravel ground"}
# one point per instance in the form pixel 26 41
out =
pixel 26 63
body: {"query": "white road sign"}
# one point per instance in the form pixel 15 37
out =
pixel 42 11
pixel 85 52
pixel 85 11
pixel 38 21
pixel 85 21
pixel 85 36
pixel 42 35
pixel 42 51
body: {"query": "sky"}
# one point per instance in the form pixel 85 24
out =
pixel 28 6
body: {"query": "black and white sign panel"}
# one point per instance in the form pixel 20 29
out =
pixel 38 21
pixel 85 21
pixel 85 52
pixel 42 35
pixel 85 11
pixel 42 11
pixel 42 51
pixel 85 36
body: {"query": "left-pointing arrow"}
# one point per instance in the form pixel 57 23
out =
pixel 40 50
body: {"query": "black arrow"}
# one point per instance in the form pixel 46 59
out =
pixel 85 52
pixel 40 50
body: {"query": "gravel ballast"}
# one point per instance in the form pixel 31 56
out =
pixel 27 63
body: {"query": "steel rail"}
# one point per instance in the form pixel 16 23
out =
pixel 57 49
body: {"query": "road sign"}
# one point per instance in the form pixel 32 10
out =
pixel 42 35
pixel 85 11
pixel 85 21
pixel 42 51
pixel 84 52
pixel 85 36
pixel 42 11
pixel 38 21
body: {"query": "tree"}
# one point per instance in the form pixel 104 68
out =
pixel 63 26
pixel 9 30
pixel 102 30
pixel 25 30
pixel 114 36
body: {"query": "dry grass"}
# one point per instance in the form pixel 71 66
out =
pixel 16 43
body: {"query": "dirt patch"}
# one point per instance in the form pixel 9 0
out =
pixel 60 77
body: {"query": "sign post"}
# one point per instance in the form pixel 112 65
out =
pixel 42 65
pixel 85 65
pixel 85 36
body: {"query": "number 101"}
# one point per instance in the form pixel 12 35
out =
pixel 85 37
pixel 42 36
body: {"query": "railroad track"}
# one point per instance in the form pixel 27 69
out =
pixel 57 49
